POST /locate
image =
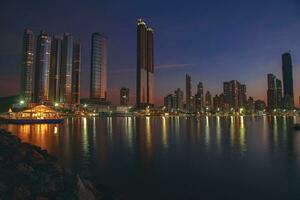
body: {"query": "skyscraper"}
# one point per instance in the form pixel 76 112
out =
pixel 274 92
pixel 145 65
pixel 55 62
pixel 27 65
pixel 76 67
pixel 208 100
pixel 65 83
pixel 179 98
pixel 188 92
pixel 287 77
pixel 278 93
pixel 124 96
pixel 234 95
pixel 199 103
pixel 42 68
pixel 242 95
pixel 98 81
pixel 169 102
pixel 217 102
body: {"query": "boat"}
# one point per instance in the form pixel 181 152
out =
pixel 40 114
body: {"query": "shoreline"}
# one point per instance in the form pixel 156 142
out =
pixel 29 172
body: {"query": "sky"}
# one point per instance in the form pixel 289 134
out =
pixel 212 40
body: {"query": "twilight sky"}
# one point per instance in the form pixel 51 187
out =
pixel 213 40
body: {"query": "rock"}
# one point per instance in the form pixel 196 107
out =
pixel 83 192
pixel 3 188
pixel 21 192
pixel 29 172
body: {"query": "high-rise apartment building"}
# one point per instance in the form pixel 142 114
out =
pixel 179 98
pixel 208 100
pixel 76 67
pixel 55 62
pixel 199 100
pixel 274 92
pixel 234 95
pixel 287 77
pixel 42 68
pixel 145 65
pixel 188 92
pixel 98 80
pixel 65 82
pixel 27 65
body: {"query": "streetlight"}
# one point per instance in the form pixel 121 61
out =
pixel 56 104
pixel 22 102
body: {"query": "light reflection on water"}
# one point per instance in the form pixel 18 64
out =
pixel 155 156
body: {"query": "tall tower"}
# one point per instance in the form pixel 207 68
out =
pixel 145 65
pixel 76 72
pixel 55 62
pixel 65 85
pixel 199 103
pixel 179 98
pixel 274 92
pixel 27 65
pixel 287 77
pixel 42 68
pixel 98 81
pixel 188 91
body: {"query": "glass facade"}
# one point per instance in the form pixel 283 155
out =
pixel 98 81
pixel 41 92
pixel 76 73
pixel 27 65
pixel 55 62
pixel 145 65
pixel 65 91
pixel 287 76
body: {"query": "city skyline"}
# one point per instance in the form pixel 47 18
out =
pixel 252 73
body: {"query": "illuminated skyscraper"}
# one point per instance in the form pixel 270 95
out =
pixel 42 68
pixel 124 96
pixel 188 92
pixel 179 98
pixel 234 95
pixel 27 65
pixel 65 85
pixel 242 95
pixel 199 103
pixel 98 81
pixel 55 62
pixel 208 100
pixel 169 102
pixel 145 65
pixel 274 92
pixel 287 77
pixel 76 67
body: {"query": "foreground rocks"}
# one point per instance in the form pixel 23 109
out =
pixel 28 172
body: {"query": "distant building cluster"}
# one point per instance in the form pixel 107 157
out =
pixel 234 97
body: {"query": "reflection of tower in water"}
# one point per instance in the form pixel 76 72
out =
pixel 144 139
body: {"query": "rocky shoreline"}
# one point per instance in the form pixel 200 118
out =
pixel 28 172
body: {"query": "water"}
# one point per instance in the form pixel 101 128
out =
pixel 178 157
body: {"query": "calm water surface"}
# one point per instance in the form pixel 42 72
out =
pixel 178 157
